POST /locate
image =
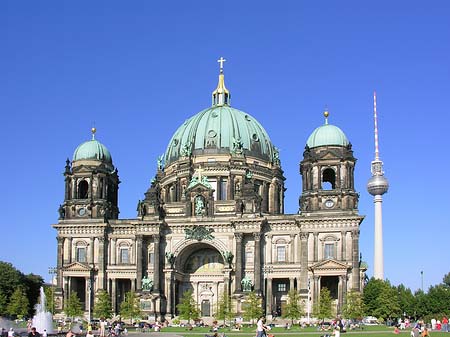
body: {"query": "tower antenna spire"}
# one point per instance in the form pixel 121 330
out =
pixel 375 117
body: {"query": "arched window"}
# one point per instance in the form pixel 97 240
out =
pixel 124 253
pixel 81 252
pixel 83 188
pixel 328 179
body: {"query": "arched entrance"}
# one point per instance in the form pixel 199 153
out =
pixel 200 269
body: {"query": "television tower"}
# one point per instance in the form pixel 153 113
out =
pixel 377 186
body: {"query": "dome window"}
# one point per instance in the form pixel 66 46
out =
pixel 328 179
pixel 83 188
pixel 255 137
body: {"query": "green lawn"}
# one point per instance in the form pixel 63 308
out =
pixel 375 330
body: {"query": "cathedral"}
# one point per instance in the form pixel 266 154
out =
pixel 212 221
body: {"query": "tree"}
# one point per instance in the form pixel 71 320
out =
pixel 102 305
pixel 32 284
pixel 252 307
pixel 293 308
pixel 405 300
pixel 322 309
pixel 381 299
pixel 18 303
pixel 50 298
pixel 130 307
pixel 10 279
pixel 224 308
pixel 353 307
pixel 188 307
pixel 73 306
pixel 446 280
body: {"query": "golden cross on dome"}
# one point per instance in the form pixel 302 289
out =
pixel 221 61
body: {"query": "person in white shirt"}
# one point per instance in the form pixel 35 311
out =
pixel 260 327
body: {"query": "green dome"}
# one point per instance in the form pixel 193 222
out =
pixel 327 134
pixel 217 130
pixel 92 150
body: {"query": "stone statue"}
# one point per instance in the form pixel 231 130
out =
pixel 160 162
pixel 170 258
pixel 228 256
pixel 276 156
pixel 246 284
pixel 186 150
pixel 199 206
pixel 147 284
pixel 62 212
pixel 238 146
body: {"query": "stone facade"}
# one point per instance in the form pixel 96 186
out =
pixel 213 222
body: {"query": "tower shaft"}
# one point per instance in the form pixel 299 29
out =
pixel 378 271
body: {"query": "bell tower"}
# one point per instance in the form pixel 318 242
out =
pixel 327 171
pixel 91 183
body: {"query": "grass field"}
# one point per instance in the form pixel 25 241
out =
pixel 375 330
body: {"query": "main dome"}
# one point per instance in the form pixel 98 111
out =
pixel 219 129
pixel 92 150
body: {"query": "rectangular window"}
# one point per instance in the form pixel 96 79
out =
pixel 223 189
pixel 281 254
pixel 213 183
pixel 81 254
pixel 124 255
pixel 282 287
pixel 248 257
pixel 151 258
pixel 329 251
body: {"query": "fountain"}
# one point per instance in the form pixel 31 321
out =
pixel 43 319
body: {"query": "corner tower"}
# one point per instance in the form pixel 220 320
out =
pixel 91 183
pixel 327 171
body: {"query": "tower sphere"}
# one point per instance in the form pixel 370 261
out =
pixel 377 185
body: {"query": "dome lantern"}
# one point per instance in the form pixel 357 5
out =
pixel 221 96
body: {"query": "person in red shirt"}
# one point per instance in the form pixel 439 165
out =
pixel 445 324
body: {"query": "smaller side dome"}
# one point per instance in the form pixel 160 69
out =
pixel 327 134
pixel 92 150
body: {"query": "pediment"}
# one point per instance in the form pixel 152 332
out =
pixel 77 266
pixel 330 154
pixel 329 265
pixel 198 186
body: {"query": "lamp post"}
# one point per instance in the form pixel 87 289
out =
pixel 421 277
pixel 53 271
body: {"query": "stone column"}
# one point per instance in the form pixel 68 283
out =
pixel 74 188
pixel 66 289
pixel 316 289
pixel 88 293
pixel 257 262
pixel 113 251
pixel 69 250
pixel 91 251
pixel 101 263
pixel 114 294
pixel 340 294
pixel 133 284
pixel 304 263
pixel 316 247
pixel 355 260
pixel 343 245
pixel 138 262
pixel 157 265
pixel 292 253
pixel 238 271
pixel 269 297
pixel 59 261
pixel 269 249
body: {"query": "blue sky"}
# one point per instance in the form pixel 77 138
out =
pixel 138 69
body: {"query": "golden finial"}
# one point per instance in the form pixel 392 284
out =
pixel 326 114
pixel 93 130
pixel 221 96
